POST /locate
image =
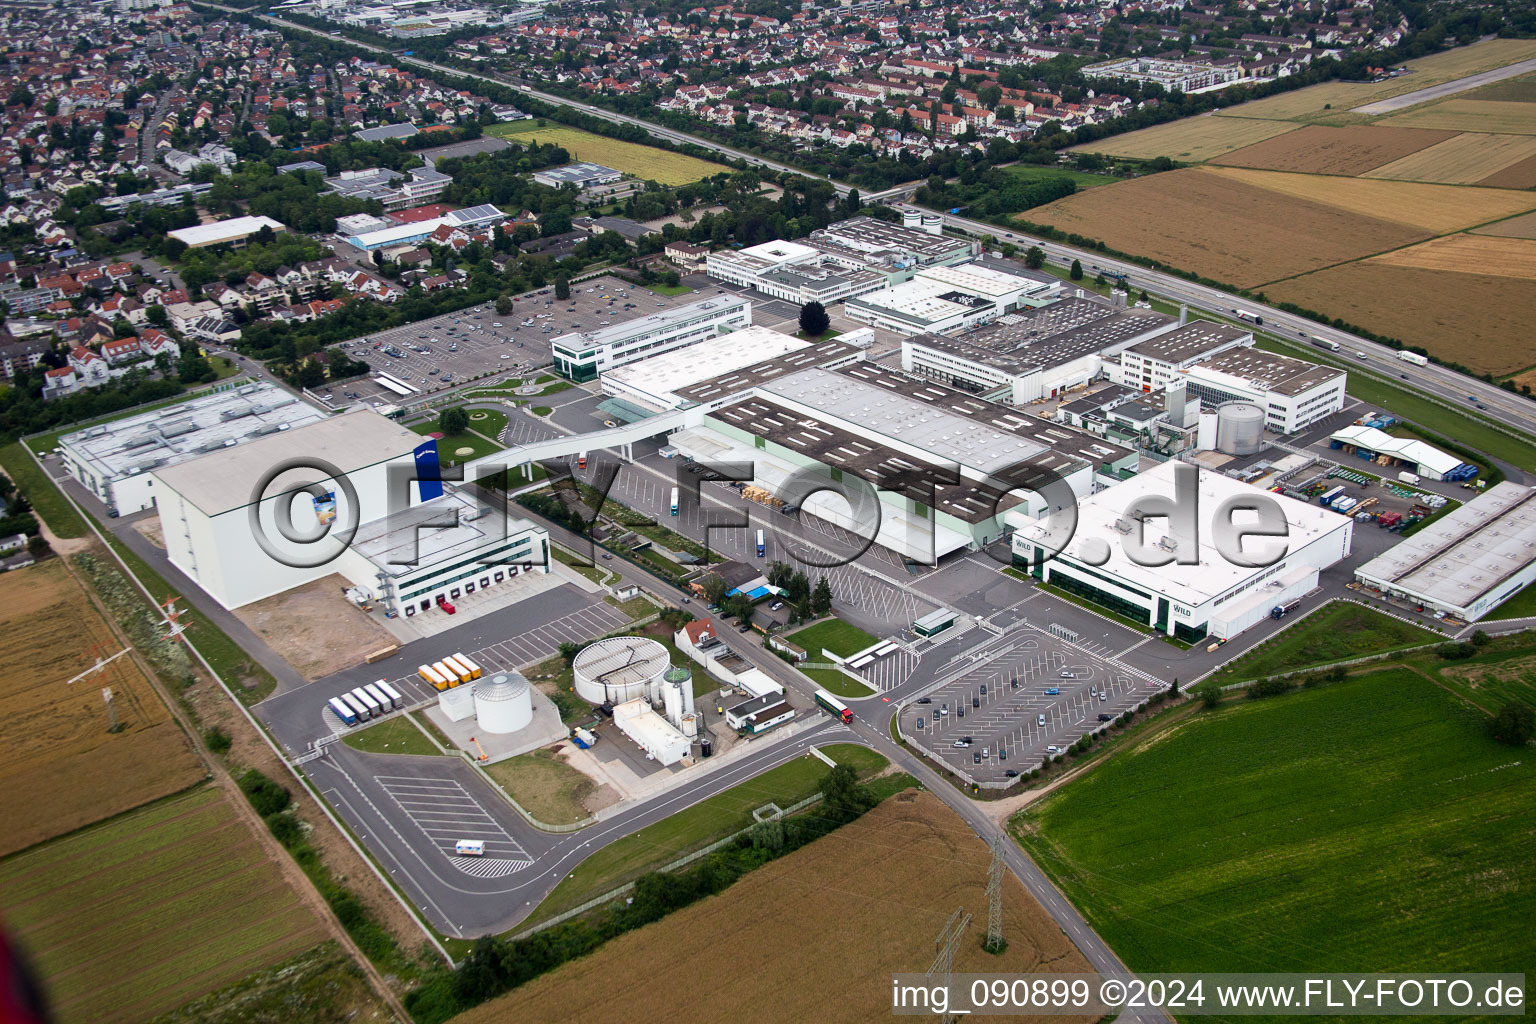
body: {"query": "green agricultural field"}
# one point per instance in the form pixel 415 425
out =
pixel 1338 632
pixel 1366 826
pixel 1504 671
pixel 835 635
pixel 181 885
pixel 699 825
pixel 392 736
pixel 646 162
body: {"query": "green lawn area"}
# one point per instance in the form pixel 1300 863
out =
pixel 1018 574
pixel 1472 431
pixel 1082 179
pixel 391 736
pixel 835 635
pixel 547 788
pixel 699 825
pixel 1521 606
pixel 555 388
pixel 669 289
pixel 488 422
pixel 132 918
pixel 544 379
pixel 579 564
pixel 1366 826
pixel 833 681
pixel 47 501
pixel 541 410
pixel 1340 631
pixel 448 447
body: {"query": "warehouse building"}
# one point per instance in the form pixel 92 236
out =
pixel 949 299
pixel 233 231
pixel 1293 392
pixel 1468 563
pixel 115 460
pixel 1033 354
pixel 942 462
pixel 580 176
pixel 841 261
pixel 1385 449
pixel 226 537
pixel 715 391
pixel 1153 364
pixel 473 219
pixel 1211 596
pixel 652 383
pixel 583 355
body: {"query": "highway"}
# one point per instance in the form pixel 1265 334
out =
pixel 1502 411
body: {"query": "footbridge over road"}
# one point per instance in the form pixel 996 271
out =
pixel 621 438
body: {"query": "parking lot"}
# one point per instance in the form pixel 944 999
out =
pixel 446 812
pixel 477 340
pixel 1000 704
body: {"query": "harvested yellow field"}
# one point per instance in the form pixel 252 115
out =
pixel 1192 140
pixel 1510 117
pixel 1469 254
pixel 1437 209
pixel 1523 226
pixel 1309 103
pixel 1465 159
pixel 1317 149
pixel 1212 221
pixel 1479 320
pixel 823 930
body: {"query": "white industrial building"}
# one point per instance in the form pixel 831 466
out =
pixel 947 299
pixel 233 231
pixel 940 460
pixel 583 355
pixel 1212 596
pixel 211 519
pixel 471 219
pixel 652 383
pixel 114 460
pixel 1152 365
pixel 661 741
pixel 1293 392
pixel 1033 354
pixel 1468 563
pixel 759 714
pixel 579 176
pixel 840 261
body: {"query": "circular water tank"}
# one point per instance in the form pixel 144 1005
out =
pixel 503 703
pixel 911 219
pixel 1239 428
pixel 618 669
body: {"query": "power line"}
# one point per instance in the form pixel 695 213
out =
pixel 995 942
pixel 944 963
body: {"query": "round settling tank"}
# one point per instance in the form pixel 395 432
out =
pixel 503 703
pixel 1239 428
pixel 618 669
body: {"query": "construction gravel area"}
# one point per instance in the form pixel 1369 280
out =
pixel 315 628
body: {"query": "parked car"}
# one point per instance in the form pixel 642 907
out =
pixel 925 700
pixel 1039 719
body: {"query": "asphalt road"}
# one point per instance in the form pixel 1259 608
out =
pixel 1435 92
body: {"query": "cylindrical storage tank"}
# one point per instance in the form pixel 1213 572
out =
pixel 1239 428
pixel 683 678
pixel 503 703
pixel 706 748
pixel 618 669
pixel 1205 437
pixel 691 726
pixel 933 224
pixel 912 219
pixel 672 702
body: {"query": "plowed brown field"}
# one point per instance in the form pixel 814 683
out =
pixel 1316 149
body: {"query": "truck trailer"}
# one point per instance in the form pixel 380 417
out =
pixel 1413 357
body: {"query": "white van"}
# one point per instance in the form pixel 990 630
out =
pixel 469 847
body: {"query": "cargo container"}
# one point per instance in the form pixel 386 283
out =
pixel 1326 498
pixel 385 702
pixel 448 674
pixel 474 670
pixel 458 668
pixel 1389 519
pixel 1413 357
pixel 1331 346
pixel 395 699
pixel 1408 478
pixel 1345 504
pixel 353 703
pixel 370 705
pixel 342 711
pixel 433 676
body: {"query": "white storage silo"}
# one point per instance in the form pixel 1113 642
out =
pixel 1239 428
pixel 619 669
pixel 503 703
pixel 681 677
pixel 672 702
pixel 691 726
